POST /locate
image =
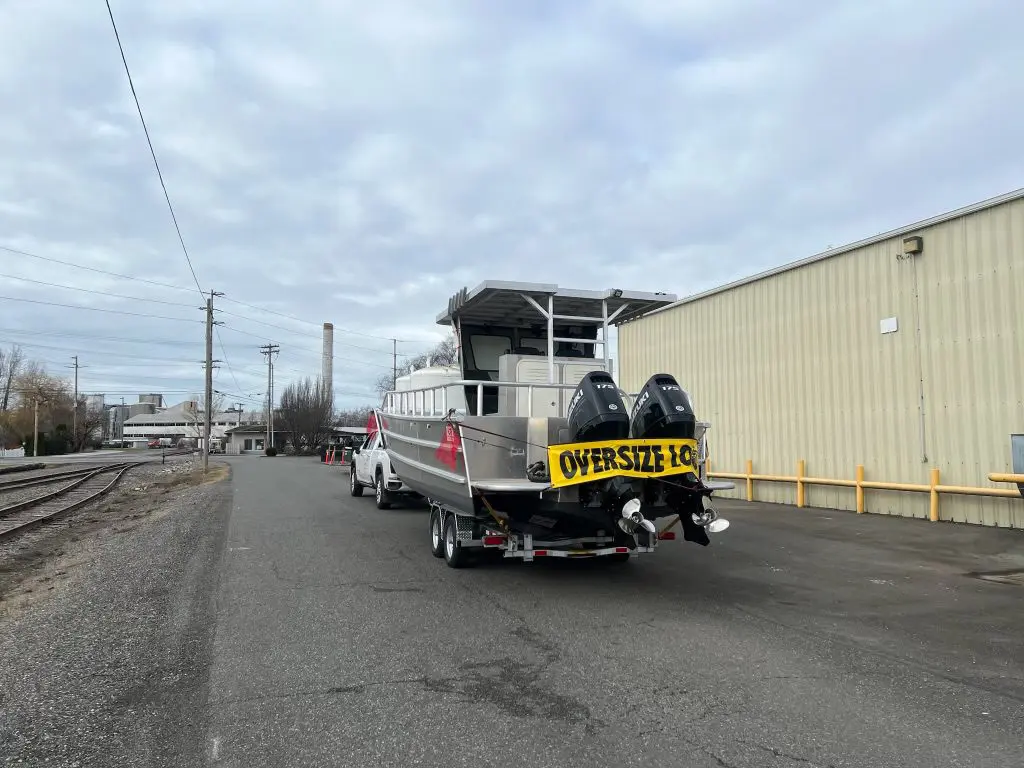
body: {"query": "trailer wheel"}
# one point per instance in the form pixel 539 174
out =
pixel 454 555
pixel 436 534
pixel 355 487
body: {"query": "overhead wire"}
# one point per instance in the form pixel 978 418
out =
pixel 94 269
pixel 100 309
pixel 185 252
pixel 226 297
pixel 149 141
pixel 97 292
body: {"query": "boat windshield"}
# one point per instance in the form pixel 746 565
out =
pixel 487 350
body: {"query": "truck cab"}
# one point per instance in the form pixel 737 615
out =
pixel 371 468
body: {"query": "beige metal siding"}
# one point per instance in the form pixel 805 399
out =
pixel 794 366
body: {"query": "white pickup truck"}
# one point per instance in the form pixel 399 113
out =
pixel 371 468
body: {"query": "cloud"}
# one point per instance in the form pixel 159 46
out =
pixel 358 163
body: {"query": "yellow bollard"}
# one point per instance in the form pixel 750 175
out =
pixel 933 507
pixel 860 489
pixel 750 480
pixel 800 466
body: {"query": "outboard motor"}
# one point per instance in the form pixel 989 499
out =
pixel 663 410
pixel 597 411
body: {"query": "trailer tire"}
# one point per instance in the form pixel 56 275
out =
pixel 355 487
pixel 436 534
pixel 454 555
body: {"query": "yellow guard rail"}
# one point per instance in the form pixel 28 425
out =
pixel 933 488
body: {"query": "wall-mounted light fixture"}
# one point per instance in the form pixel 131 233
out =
pixel 912 245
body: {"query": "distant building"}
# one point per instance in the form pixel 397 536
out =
pixel 184 420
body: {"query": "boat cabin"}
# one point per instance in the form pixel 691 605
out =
pixel 533 341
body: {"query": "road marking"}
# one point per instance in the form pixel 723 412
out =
pixel 215 749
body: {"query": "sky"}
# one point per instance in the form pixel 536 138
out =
pixel 358 163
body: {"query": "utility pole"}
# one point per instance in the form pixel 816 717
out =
pixel 74 415
pixel 394 364
pixel 270 350
pixel 209 381
pixel 74 420
pixel 35 429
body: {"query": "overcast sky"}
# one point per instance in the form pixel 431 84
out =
pixel 360 162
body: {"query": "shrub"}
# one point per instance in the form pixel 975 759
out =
pixel 271 451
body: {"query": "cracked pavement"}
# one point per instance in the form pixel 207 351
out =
pixel 325 634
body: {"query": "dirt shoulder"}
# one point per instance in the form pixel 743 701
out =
pixel 39 561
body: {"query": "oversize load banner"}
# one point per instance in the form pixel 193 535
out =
pixel 572 463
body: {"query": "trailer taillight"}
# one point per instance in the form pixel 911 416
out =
pixel 620 550
pixel 667 535
pixel 493 541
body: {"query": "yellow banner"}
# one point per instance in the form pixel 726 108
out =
pixel 572 463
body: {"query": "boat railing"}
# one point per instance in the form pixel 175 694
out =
pixel 434 401
pixel 405 403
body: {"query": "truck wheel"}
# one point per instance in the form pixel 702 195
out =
pixel 355 487
pixel 436 535
pixel 454 555
pixel 383 497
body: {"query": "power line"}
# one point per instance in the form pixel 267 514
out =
pixel 121 339
pixel 152 151
pixel 183 304
pixel 98 293
pixel 94 269
pixel 314 336
pixel 265 310
pixel 100 309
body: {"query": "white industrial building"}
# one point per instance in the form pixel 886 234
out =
pixel 184 420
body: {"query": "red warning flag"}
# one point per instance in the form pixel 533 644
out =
pixel 371 424
pixel 448 451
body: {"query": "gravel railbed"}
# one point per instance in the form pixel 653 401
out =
pixel 7 498
pixel 106 646
pixel 133 483
pixel 65 467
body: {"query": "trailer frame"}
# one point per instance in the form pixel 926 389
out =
pixel 475 534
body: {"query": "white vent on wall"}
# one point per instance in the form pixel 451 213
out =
pixel 889 325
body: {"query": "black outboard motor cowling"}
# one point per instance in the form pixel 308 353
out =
pixel 662 410
pixel 596 411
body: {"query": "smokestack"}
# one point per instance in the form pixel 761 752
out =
pixel 328 362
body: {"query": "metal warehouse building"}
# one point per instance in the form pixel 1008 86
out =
pixel 901 354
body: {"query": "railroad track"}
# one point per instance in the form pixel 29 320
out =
pixel 61 475
pixel 86 486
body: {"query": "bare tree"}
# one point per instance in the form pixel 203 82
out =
pixel 10 366
pixel 195 413
pixel 32 387
pixel 307 413
pixel 445 352
pixel 354 417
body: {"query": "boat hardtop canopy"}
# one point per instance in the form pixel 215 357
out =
pixel 510 303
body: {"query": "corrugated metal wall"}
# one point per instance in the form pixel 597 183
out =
pixel 794 366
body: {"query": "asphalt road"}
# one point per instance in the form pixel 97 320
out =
pixel 286 623
pixel 797 638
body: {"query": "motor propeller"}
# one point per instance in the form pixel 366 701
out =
pixel 631 518
pixel 709 518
